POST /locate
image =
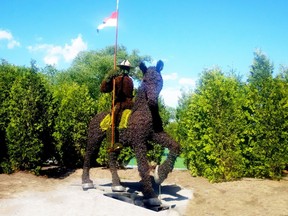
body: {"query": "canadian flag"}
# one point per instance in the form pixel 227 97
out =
pixel 109 21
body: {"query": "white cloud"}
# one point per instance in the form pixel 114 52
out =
pixel 171 96
pixel 12 44
pixel 5 35
pixel 172 76
pixel 51 60
pixel 187 82
pixel 173 92
pixel 77 45
pixel 53 53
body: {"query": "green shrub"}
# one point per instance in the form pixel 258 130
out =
pixel 74 109
pixel 230 129
pixel 28 122
pixel 211 122
pixel 266 146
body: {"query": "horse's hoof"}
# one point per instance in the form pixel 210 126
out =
pixel 118 188
pixel 156 175
pixel 87 186
pixel 152 202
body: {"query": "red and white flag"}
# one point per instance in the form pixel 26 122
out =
pixel 109 21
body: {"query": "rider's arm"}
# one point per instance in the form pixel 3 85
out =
pixel 106 86
pixel 107 83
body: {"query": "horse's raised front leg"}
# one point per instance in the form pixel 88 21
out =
pixel 162 171
pixel 95 138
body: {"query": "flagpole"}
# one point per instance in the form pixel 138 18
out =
pixel 116 39
pixel 113 91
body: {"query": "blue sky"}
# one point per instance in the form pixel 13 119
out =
pixel 188 35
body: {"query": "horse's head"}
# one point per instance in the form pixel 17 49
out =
pixel 152 81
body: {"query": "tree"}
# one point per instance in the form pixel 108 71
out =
pixel 27 129
pixel 266 148
pixel 8 74
pixel 210 121
pixel 90 67
pixel 74 108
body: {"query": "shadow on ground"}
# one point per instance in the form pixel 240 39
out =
pixel 56 172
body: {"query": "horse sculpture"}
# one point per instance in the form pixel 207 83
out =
pixel 139 131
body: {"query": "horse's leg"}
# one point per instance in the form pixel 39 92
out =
pixel 112 162
pixel 162 171
pixel 116 184
pixel 95 137
pixel 150 196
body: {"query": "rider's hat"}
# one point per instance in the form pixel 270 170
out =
pixel 125 65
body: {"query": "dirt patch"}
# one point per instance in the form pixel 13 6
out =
pixel 244 197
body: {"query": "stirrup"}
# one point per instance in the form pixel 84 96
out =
pixel 116 147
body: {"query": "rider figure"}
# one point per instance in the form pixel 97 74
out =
pixel 123 93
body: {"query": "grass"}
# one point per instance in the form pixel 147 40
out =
pixel 179 164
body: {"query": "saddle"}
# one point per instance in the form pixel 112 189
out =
pixel 105 124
